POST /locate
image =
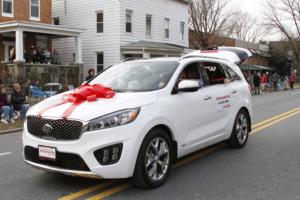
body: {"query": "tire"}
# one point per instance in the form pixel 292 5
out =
pixel 154 164
pixel 240 131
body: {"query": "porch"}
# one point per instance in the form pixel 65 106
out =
pixel 26 52
pixel 24 38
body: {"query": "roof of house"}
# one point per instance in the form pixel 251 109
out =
pixel 39 28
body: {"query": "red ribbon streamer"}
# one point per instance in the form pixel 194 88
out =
pixel 84 93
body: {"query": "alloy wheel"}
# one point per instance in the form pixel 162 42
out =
pixel 242 128
pixel 157 159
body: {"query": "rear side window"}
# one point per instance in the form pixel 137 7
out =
pixel 233 76
pixel 215 73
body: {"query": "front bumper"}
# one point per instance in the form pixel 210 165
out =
pixel 88 144
pixel 64 171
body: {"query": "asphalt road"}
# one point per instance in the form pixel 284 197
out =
pixel 267 168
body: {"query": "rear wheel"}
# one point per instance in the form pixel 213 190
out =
pixel 240 132
pixel 154 160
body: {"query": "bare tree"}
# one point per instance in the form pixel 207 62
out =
pixel 283 16
pixel 210 19
pixel 248 28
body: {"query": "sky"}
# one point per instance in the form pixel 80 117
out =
pixel 253 7
pixel 256 9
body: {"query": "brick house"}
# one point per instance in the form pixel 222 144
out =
pixel 27 26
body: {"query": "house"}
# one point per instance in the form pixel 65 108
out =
pixel 120 29
pixel 25 27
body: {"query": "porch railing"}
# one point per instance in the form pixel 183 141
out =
pixel 70 74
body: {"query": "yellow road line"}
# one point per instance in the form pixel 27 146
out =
pixel 275 117
pixel 198 155
pixel 86 191
pixel 274 122
pixel 110 192
pixel 262 125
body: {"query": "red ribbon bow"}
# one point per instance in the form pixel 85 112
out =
pixel 84 93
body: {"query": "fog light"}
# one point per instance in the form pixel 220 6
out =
pixel 109 155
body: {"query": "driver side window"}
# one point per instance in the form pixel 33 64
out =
pixel 191 72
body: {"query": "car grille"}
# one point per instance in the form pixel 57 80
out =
pixel 60 129
pixel 63 160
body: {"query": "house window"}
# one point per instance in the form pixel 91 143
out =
pixel 167 28
pixel 182 30
pixel 34 9
pixel 148 24
pixel 100 22
pixel 100 62
pixel 129 21
pixel 7 8
pixel 56 20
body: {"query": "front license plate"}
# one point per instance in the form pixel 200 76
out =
pixel 47 153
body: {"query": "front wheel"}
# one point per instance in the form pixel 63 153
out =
pixel 154 160
pixel 240 131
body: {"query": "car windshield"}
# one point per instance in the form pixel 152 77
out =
pixel 137 76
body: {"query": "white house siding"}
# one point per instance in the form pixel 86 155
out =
pixel 82 14
pixel 176 11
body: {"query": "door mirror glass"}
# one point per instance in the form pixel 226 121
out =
pixel 188 86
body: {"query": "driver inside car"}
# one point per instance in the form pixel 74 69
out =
pixel 191 73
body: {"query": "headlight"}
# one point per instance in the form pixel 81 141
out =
pixel 114 119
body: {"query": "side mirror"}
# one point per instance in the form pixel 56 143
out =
pixel 188 86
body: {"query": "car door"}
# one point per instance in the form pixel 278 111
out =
pixel 221 102
pixel 236 86
pixel 193 111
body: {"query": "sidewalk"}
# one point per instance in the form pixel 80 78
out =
pixel 8 128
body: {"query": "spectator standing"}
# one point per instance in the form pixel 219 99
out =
pixel 26 56
pixel 55 59
pixel 256 82
pixel 12 54
pixel 286 82
pixel 34 57
pixel 6 110
pixel 18 100
pixel 91 75
pixel 263 81
pixel 292 80
pixel 251 81
pixel 275 79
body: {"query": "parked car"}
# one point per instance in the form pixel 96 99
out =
pixel 52 89
pixel 162 109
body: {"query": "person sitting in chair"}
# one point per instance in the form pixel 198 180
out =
pixel 18 101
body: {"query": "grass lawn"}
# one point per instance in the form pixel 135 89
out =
pixel 4 127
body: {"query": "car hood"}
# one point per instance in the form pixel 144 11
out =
pixel 91 110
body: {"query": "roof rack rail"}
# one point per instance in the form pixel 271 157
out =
pixel 199 56
pixel 131 59
pixel 210 48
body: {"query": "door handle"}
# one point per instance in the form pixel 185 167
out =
pixel 207 98
pixel 234 92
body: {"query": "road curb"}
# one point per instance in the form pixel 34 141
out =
pixel 11 131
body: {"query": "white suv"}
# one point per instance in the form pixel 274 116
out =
pixel 162 109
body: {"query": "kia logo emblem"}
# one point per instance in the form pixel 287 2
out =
pixel 47 128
